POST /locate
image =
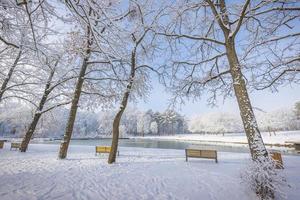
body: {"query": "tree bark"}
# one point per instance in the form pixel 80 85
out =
pixel 37 114
pixel 117 119
pixel 256 145
pixel 76 96
pixel 73 111
pixel 9 75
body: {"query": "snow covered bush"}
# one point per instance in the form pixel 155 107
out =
pixel 283 119
pixel 262 177
pixel 216 123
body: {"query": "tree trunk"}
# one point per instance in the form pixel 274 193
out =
pixel 256 145
pixel 116 123
pixel 30 131
pixel 76 96
pixel 37 114
pixel 72 115
pixel 8 76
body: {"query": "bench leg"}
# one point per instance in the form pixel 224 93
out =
pixel 216 160
pixel 186 158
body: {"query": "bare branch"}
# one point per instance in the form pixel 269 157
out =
pixel 191 37
pixel 242 16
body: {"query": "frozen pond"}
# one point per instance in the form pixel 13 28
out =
pixel 169 144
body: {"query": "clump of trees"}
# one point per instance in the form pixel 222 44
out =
pixel 284 119
pixel 297 110
pixel 216 123
pixel 16 117
pixel 138 123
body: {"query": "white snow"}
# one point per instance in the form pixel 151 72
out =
pixel 139 173
pixel 280 138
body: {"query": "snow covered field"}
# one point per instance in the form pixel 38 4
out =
pixel 279 138
pixel 138 174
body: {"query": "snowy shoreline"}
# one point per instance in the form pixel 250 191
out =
pixel 139 173
pixel 282 138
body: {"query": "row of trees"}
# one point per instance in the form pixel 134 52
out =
pixel 15 118
pixel 101 53
pixel 221 123
pixel 138 123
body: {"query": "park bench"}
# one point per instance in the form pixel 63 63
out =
pixel 15 145
pixel 295 144
pixel 2 144
pixel 276 156
pixel 103 149
pixel 197 153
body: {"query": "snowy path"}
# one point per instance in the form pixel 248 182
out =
pixel 138 174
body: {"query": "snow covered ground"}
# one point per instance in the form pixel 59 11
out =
pixel 139 173
pixel 280 137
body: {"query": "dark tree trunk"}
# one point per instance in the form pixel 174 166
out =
pixel 72 115
pixel 74 105
pixel 9 75
pixel 29 132
pixel 37 114
pixel 256 145
pixel 117 119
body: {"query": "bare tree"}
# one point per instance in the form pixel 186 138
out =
pixel 50 99
pixel 210 54
pixel 9 34
pixel 9 74
pixel 141 42
pixel 25 29
pixel 221 47
pixel 77 92
pixel 97 75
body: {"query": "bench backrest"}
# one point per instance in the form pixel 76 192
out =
pixel 103 149
pixel 15 145
pixel 201 153
pixel 276 156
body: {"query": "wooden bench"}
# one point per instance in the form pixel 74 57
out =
pixel 103 149
pixel 15 145
pixel 197 153
pixel 276 156
pixel 2 144
pixel 297 146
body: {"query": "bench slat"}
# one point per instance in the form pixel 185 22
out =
pixel 104 149
pixel 208 153
pixel 199 153
pixel 195 153
pixel 15 145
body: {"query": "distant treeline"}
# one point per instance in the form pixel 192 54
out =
pixel 219 123
pixel 14 120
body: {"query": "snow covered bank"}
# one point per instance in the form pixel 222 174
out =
pixel 279 138
pixel 139 174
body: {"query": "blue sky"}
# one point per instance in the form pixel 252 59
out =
pixel 265 100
